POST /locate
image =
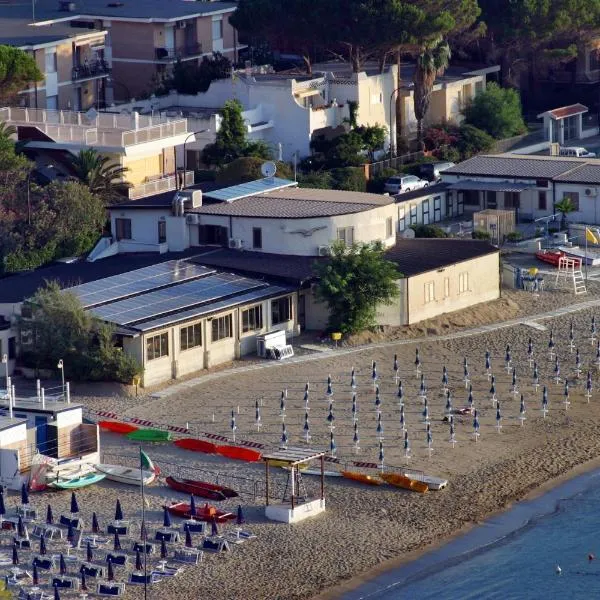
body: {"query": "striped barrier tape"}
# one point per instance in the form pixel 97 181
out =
pixel 365 465
pixel 177 429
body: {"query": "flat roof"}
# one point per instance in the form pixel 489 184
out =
pixel 297 203
pixel 565 111
pixel 18 31
pixel 420 255
pixel 33 406
pixel 8 423
pixel 493 186
pixel 293 456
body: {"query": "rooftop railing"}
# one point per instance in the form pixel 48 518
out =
pixel 160 185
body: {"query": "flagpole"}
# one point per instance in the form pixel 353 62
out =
pixel 145 535
pixel 586 250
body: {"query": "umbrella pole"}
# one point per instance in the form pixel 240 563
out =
pixel 145 536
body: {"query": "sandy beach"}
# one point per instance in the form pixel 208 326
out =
pixel 366 529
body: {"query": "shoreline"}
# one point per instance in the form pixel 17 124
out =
pixel 356 588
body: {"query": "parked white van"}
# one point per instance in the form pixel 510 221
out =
pixel 576 152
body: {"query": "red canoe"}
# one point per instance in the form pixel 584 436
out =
pixel 203 489
pixel 203 513
pixel 117 427
pixel 238 453
pixel 196 445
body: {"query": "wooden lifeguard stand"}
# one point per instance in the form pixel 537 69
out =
pixel 570 270
pixel 295 506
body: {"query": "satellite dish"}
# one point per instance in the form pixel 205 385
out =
pixel 408 234
pixel 268 169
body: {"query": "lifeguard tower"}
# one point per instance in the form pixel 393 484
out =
pixel 295 505
pixel 569 270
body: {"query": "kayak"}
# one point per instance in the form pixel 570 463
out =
pixel 150 435
pixel 203 489
pixel 203 513
pixel 361 478
pixel 404 482
pixel 238 453
pixel 65 483
pixel 126 475
pixel 196 445
pixel 116 427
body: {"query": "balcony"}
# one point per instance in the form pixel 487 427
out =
pixel 180 53
pixel 92 70
pixel 159 185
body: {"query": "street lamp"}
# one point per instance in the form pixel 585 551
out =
pixel 185 154
pixel 61 366
pixel 5 363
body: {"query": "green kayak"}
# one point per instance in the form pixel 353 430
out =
pixel 70 483
pixel 150 435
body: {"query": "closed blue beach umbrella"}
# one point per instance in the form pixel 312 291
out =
pixel 422 388
pixel 284 435
pixel 593 327
pixel 507 357
pixel 355 437
pixel 15 555
pixel 329 391
pixel 118 511
pixel 379 426
pixel 377 398
pixel 163 549
pixel 143 531
pixel 74 505
pixel 49 515
pixel 406 444
pixel 116 542
pixel 95 525
pixel 353 379
pixel 429 436
pixel 498 414
pixel 214 528
pixel 282 404
pixel 56 593
pixel 306 426
pixel 475 423
pixel 62 565
pixel 488 361
pixel 545 397
pixel 536 375
pixel 374 372
pixel 240 519
pixel 381 454
pixel 530 350
pixel 89 553
pixel 448 402
pixel 444 376
pixel 571 333
pixel 425 411
pixel 306 396
pixel 522 407
pixel 417 359
pixel 70 533
pixel 188 538
pixel 402 420
pixel 330 415
pixel 232 424
pixel 24 494
pixel 588 385
pixel 257 413
pixel 35 577
pixel 166 518
pixel 332 446
pixel 395 367
pixel 20 527
pixel 557 370
pixel 111 571
pixel 83 585
pixel 138 561
pixel 452 432
pixel 577 360
pixel 493 386
pixel 192 506
pixel 2 505
pixel 470 398
pixel 551 340
pixel 354 407
pixel 400 393
pixel 514 377
pixel 43 549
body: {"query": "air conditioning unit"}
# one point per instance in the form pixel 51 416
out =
pixel 192 219
pixel 235 243
pixel 591 191
pixel 324 250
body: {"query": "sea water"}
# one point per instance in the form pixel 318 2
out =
pixel 512 556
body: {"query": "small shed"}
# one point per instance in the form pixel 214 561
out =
pixel 498 223
pixel 295 507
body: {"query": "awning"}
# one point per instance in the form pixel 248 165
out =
pixel 305 93
pixel 491 186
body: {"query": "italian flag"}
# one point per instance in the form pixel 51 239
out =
pixel 146 463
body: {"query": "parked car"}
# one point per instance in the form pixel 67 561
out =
pixel 431 171
pixel 576 152
pixel 404 183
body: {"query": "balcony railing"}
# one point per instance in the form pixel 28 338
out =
pixel 97 68
pixel 171 54
pixel 158 186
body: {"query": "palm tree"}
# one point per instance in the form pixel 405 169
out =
pixel 564 207
pixel 431 62
pixel 99 175
pixel 6 131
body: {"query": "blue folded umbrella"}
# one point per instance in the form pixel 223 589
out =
pixel 43 545
pixel 62 565
pixel 118 511
pixel 74 505
pixel 95 525
pixel 240 515
pixel 163 549
pixel 166 518
pixel 49 515
pixel 24 494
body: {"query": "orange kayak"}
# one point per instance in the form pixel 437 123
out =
pixel 361 478
pixel 404 482
pixel 117 427
pixel 238 453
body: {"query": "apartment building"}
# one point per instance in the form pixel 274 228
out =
pixel 100 50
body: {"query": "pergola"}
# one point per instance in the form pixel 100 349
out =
pixel 293 458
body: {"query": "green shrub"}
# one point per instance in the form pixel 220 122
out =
pixel 247 168
pixel 375 184
pixel 449 153
pixel 514 236
pixel 472 140
pixel 478 234
pixel 428 231
pixel 351 179
pixel 317 179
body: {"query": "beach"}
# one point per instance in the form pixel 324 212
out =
pixel 364 529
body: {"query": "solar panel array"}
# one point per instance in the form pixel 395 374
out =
pixel 139 281
pixel 169 300
pixel 254 295
pixel 260 186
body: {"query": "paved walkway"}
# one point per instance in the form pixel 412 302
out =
pixel 525 320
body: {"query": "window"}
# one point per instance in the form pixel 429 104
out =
pixel 573 197
pixel 401 218
pixel 543 183
pixel 346 235
pixel 490 197
pixel 437 209
pixel 190 337
pixel 425 209
pixel 51 62
pixel 478 87
pixel 281 310
pixel 221 328
pixel 471 197
pixel 429 292
pixel 542 200
pixel 512 200
pixel 256 237
pixel 12 348
pixel 123 229
pixel 463 283
pixel 162 232
pixel 51 102
pixel 157 346
pixel 252 319
pixel 217 29
pixel 594 59
pixel 389 227
pixel 413 214
pixel 446 287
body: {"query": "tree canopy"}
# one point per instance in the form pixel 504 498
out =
pixel 59 328
pixel 498 111
pixel 17 71
pixel 352 282
pixel 192 78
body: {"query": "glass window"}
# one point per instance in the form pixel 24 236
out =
pixel 157 346
pixel 542 200
pixel 190 337
pixel 221 328
pixel 512 200
pixel 281 310
pixel 594 59
pixel 491 201
pixel 389 227
pixel 162 232
pixel 413 214
pixel 429 292
pixel 252 319
pixel 256 237
pixel 573 197
pixel 51 63
pixel 463 282
pixel 123 229
pixel 401 218
pixel 346 235
pixel 217 29
pixel 471 197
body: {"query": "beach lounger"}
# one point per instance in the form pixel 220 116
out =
pixel 34 594
pixel 138 578
pixel 110 588
pixel 44 563
pixel 92 570
pixel 139 547
pixel 171 536
pixel 50 532
pixel 120 527
pixel 5 560
pixel 166 570
pixel 75 522
pixel 22 542
pixel 117 558
pixel 190 556
pixel 65 583
pixel 217 544
pixel 27 513
pixel 194 526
